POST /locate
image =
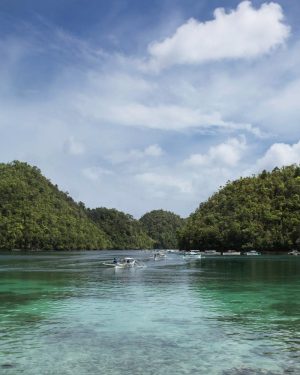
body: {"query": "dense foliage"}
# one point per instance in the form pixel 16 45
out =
pixel 34 214
pixel 162 226
pixel 260 212
pixel 122 229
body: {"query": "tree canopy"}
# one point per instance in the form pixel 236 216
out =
pixel 122 229
pixel 162 226
pixel 35 214
pixel 260 212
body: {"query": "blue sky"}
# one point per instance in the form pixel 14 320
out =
pixel 140 105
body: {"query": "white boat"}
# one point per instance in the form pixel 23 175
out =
pixel 211 253
pixel 294 252
pixel 192 252
pixel 126 262
pixel 195 254
pixel 232 252
pixel 252 252
pixel 159 255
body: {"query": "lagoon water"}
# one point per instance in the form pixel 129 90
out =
pixel 66 313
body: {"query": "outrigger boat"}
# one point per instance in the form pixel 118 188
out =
pixel 126 262
pixel 294 252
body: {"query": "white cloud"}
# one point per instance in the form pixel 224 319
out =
pixel 153 150
pixel 242 33
pixel 280 110
pixel 95 173
pixel 74 147
pixel 115 109
pixel 158 181
pixel 278 155
pixel 150 152
pixel 186 185
pixel 173 117
pixel 228 153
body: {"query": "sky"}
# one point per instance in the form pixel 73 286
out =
pixel 140 105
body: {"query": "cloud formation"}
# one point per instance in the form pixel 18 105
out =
pixel 163 182
pixel 150 152
pixel 240 34
pixel 278 155
pixel 95 173
pixel 115 135
pixel 74 147
pixel 228 154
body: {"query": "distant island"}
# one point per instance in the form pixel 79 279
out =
pixel 36 215
pixel 259 212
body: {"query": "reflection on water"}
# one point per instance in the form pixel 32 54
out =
pixel 66 313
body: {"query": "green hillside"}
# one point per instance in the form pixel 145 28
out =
pixel 260 212
pixel 122 229
pixel 34 214
pixel 162 226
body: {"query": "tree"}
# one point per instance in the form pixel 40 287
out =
pixel 163 227
pixel 260 212
pixel 122 229
pixel 34 214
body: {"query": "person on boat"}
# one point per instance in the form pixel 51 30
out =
pixel 115 261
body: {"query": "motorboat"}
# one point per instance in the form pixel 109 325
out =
pixel 211 253
pixel 252 252
pixel 195 254
pixel 126 262
pixel 159 255
pixel 294 252
pixel 231 252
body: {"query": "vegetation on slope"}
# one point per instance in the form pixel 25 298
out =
pixel 34 214
pixel 122 229
pixel 162 226
pixel 261 212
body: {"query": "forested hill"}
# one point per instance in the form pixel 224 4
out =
pixel 261 212
pixel 122 229
pixel 162 226
pixel 34 214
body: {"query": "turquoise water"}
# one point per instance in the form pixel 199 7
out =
pixel 66 313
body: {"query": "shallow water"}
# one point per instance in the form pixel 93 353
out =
pixel 67 313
